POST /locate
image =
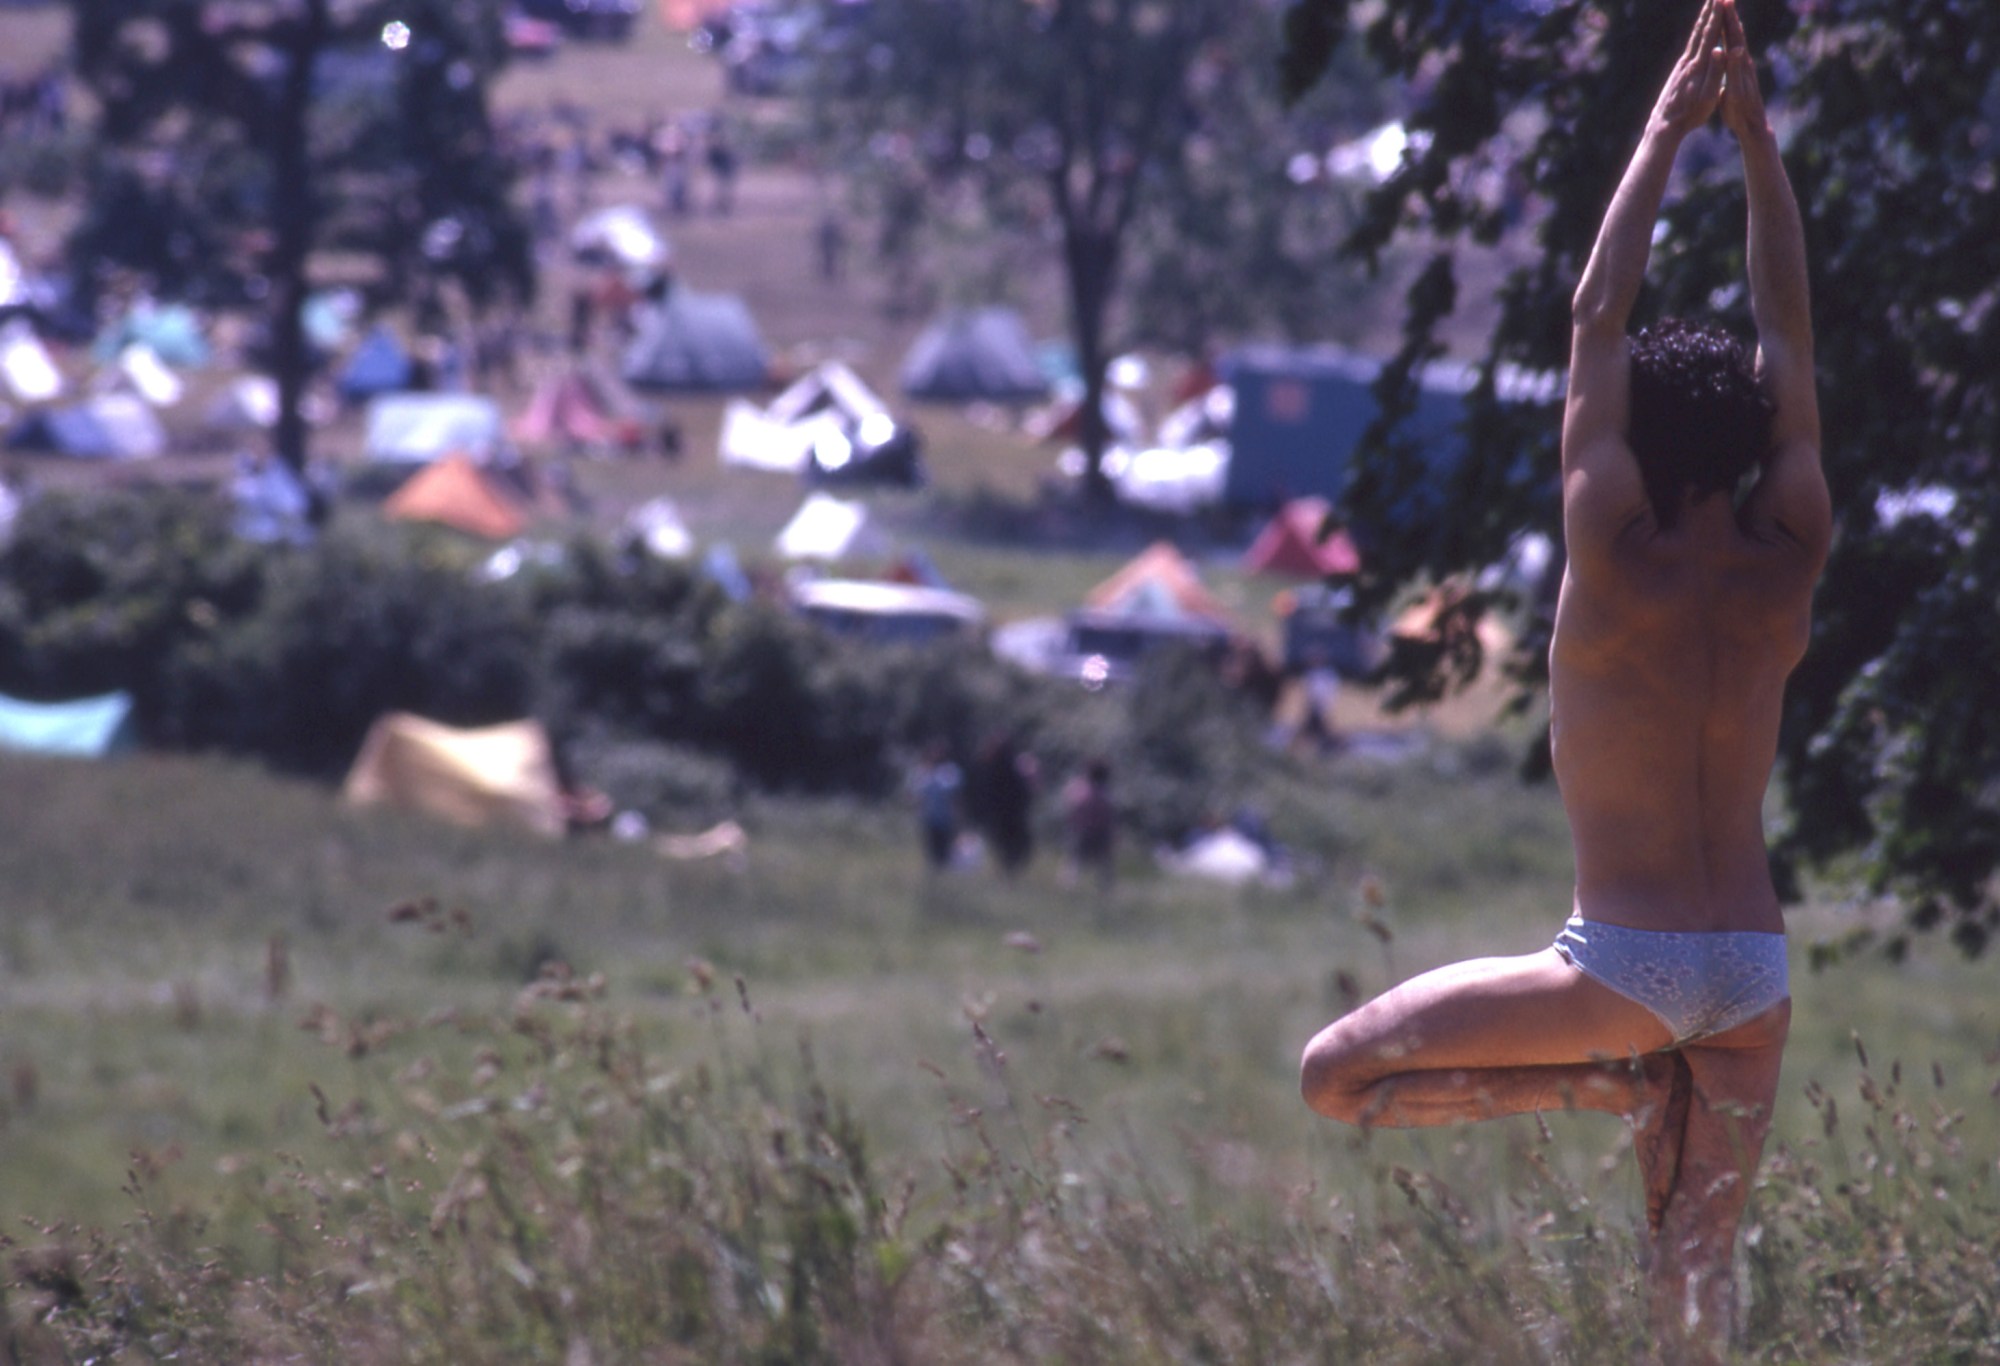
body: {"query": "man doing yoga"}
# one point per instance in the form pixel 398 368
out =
pixel 1696 520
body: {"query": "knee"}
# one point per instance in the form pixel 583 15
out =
pixel 1331 1082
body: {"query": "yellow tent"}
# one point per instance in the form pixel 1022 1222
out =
pixel 495 775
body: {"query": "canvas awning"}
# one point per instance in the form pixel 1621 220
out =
pixel 84 728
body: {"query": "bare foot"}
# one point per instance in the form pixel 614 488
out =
pixel 1658 1127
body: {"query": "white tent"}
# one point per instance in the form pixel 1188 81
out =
pixel 13 280
pixel 417 428
pixel 246 403
pixel 657 525
pixel 752 439
pixel 829 528
pixel 624 233
pixel 141 371
pixel 1228 856
pixel 30 373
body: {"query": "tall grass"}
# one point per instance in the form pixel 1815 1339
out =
pixel 813 1108
pixel 536 1183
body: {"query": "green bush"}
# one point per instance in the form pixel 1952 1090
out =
pixel 659 780
pixel 621 645
pixel 367 621
pixel 106 591
pixel 290 654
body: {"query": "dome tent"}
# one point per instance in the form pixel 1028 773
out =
pixel 696 342
pixel 975 354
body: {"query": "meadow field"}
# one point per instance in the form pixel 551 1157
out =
pixel 283 1080
pixel 272 1049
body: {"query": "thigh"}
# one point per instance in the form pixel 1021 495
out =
pixel 1735 1082
pixel 1528 1011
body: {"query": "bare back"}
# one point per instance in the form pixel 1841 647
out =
pixel 1667 677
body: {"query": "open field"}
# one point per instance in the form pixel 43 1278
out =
pixel 308 1067
pixel 1149 1041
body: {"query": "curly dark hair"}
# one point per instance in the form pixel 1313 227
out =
pixel 1699 420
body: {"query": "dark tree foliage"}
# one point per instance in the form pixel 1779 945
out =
pixel 1890 754
pixel 1131 136
pixel 238 141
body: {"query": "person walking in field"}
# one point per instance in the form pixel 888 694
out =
pixel 1697 521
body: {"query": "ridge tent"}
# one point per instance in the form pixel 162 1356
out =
pixel 830 385
pixel 85 728
pixel 378 365
pixel 501 775
pixel 975 354
pixel 1291 544
pixel 454 492
pixel 1157 582
pixel 416 428
pixel 696 342
pixel 568 409
pixel 828 424
pixel 116 426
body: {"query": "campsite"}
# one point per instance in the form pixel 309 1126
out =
pixel 461 898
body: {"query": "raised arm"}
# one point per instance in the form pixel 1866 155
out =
pixel 1617 266
pixel 1793 491
pixel 1599 474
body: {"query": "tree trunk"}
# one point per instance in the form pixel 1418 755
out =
pixel 1092 262
pixel 292 210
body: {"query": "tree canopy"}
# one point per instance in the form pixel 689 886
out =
pixel 1890 755
pixel 1134 138
pixel 238 141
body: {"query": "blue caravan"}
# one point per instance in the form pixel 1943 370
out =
pixel 1301 411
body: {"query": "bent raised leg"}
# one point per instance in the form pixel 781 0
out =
pixel 1484 1038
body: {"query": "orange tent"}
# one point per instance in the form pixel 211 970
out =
pixel 454 492
pixel 1290 544
pixel 1158 581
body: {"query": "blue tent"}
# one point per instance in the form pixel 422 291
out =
pixel 975 354
pixel 272 504
pixel 697 342
pixel 379 365
pixel 107 427
pixel 87 728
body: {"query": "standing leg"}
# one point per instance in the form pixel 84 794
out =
pixel 1734 1079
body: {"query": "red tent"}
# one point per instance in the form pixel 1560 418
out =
pixel 568 410
pixel 1291 544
